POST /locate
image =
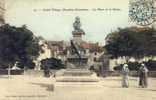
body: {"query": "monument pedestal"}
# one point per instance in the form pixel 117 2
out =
pixel 76 75
pixel 75 79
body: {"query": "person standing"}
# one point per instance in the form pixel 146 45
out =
pixel 143 76
pixel 125 72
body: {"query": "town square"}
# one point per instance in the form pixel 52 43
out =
pixel 40 88
pixel 52 50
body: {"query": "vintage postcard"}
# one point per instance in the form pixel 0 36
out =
pixel 78 49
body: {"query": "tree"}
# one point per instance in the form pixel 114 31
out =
pixel 131 42
pixel 17 44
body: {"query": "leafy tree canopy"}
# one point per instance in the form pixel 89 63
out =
pixel 131 42
pixel 17 44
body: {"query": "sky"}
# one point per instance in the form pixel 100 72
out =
pixel 47 18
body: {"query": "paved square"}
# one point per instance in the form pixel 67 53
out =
pixel 39 88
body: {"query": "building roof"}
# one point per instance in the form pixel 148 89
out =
pixel 93 47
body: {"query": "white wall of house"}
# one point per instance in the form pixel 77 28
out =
pixel 44 55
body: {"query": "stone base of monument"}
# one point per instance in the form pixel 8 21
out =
pixel 76 75
pixel 70 79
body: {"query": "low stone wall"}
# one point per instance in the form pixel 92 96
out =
pixel 152 73
pixel 12 72
pixel 41 73
pixel 131 73
pixel 37 72
pixel 105 73
pixel 34 72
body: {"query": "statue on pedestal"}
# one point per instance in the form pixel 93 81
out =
pixel 77 26
pixel 76 67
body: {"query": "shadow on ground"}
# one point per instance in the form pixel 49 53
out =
pixel 119 79
pixel 119 86
pixel 49 87
pixel 151 90
pixel 146 89
pixel 5 77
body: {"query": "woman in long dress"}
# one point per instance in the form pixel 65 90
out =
pixel 125 71
pixel 143 76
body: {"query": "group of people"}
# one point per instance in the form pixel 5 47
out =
pixel 142 73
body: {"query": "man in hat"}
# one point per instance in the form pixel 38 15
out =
pixel 143 76
pixel 125 71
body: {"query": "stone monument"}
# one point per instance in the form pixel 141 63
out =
pixel 78 32
pixel 76 58
pixel 76 70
